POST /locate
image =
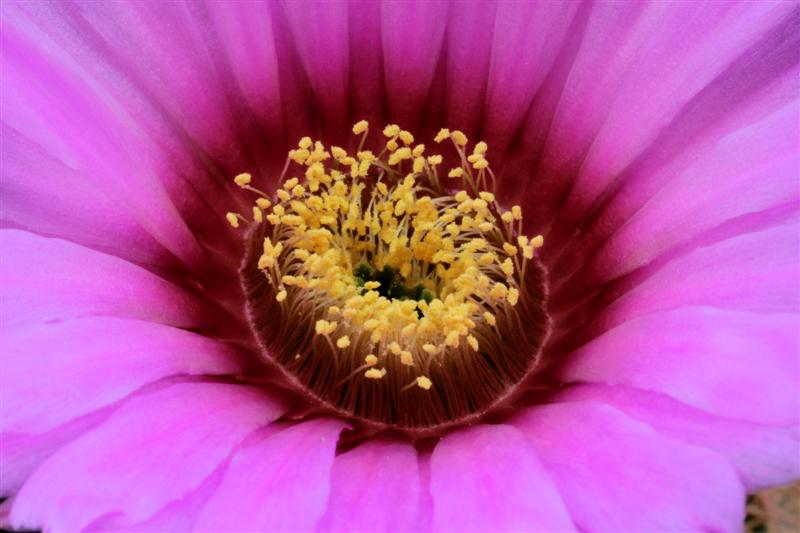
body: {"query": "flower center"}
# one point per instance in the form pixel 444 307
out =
pixel 387 295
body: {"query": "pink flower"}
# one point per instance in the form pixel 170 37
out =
pixel 653 145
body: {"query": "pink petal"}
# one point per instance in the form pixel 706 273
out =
pixel 487 478
pixel 374 487
pixel 412 35
pixel 616 474
pixel 468 41
pixel 66 204
pixel 178 515
pixel 278 484
pixel 751 170
pixel 685 48
pixel 86 128
pixel 639 69
pixel 320 33
pixel 733 364
pixel 765 456
pixel 91 363
pixel 155 449
pixel 21 455
pixel 76 282
pixel 527 38
pixel 752 272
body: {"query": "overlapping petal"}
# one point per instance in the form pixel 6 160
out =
pixel 155 449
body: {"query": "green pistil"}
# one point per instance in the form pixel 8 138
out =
pixel 391 283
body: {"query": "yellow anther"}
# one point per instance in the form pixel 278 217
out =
pixel 258 215
pixel 299 156
pixel 507 217
pixel 323 327
pixel 473 342
pixel 232 219
pixel 452 339
pixel 418 150
pixel 486 196
pixel 360 127
pixel 517 212
pixel 489 318
pixel 263 203
pixel 487 258
pixel 281 296
pixel 459 137
pixel 434 160
pixel 510 249
pixel 374 373
pixel 513 296
pixel 429 348
pixel 480 164
pixel 406 137
pixel 392 145
pixel 522 240
pixel 395 348
pixel 338 153
pixel 480 148
pixel 499 291
pixel 443 134
pixel 406 358
pixel 370 285
pixel 392 130
pixel 283 195
pixel 371 360
pixel 537 242
pixel 419 164
pixel 243 179
pixel 461 196
pixel 455 173
pixel 399 155
pixel 424 383
pixel 305 143
pixel 508 267
pixel 334 310
pixel 343 342
pixel 298 191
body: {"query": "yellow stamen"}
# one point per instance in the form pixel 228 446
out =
pixel 411 273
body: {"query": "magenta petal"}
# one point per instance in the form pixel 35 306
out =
pixel 178 515
pixel 704 357
pixel 487 478
pixel 764 455
pixel 75 282
pixel 324 55
pixel 374 487
pixel 616 474
pixel 527 38
pixel 412 35
pixel 91 363
pixel 749 171
pixel 677 51
pixel 155 449
pixel 278 484
pixel 751 272
pixel 21 455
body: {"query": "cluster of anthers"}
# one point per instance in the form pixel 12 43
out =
pixel 397 272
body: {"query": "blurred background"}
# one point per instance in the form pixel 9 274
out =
pixel 774 510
